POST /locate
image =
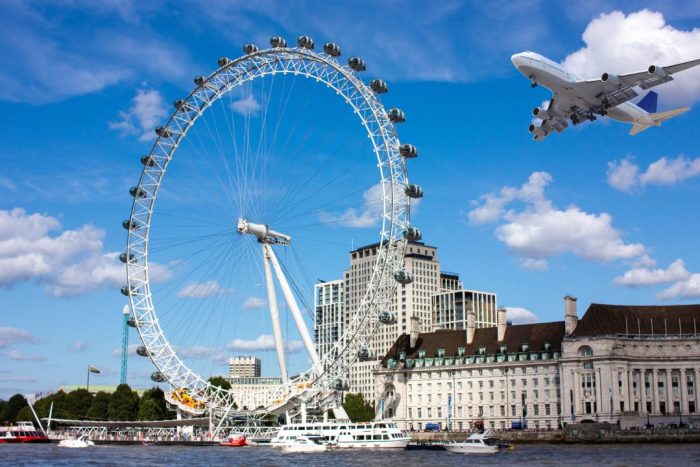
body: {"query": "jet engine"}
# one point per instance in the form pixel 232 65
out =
pixel 541 113
pixel 612 79
pixel 658 71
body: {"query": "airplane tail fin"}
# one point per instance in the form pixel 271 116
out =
pixel 657 119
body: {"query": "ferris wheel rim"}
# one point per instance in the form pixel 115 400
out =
pixel 161 352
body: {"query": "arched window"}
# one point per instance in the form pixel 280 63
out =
pixel 585 351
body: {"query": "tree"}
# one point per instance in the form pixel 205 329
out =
pixel 158 410
pixel 12 408
pixel 220 381
pixel 124 404
pixel 78 403
pixel 357 409
pixel 3 404
pixel 99 409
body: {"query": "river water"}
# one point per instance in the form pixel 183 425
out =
pixel 523 455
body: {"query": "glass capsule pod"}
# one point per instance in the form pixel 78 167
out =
pixel 163 131
pixel 148 161
pixel 124 257
pixel 412 234
pixel 332 49
pixel 250 49
pixel 223 61
pixel 413 191
pixel 357 64
pixel 137 192
pixel 379 86
pixel 396 115
pixel 403 277
pixel 408 151
pixel 142 351
pixel 157 377
pixel 278 42
pixel 305 42
pixel 131 224
pixel 387 317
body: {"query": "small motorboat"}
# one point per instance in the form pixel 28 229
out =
pixel 305 444
pixel 81 442
pixel 235 441
pixel 478 443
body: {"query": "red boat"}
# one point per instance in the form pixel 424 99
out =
pixel 235 441
pixel 23 432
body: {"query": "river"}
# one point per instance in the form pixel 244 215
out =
pixel 607 455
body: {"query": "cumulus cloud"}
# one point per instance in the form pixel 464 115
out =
pixel 640 39
pixel 687 288
pixel 518 315
pixel 146 112
pixel 69 263
pixel 533 228
pixel 79 346
pixel 197 352
pixel 254 303
pixel 368 214
pixel 10 336
pixel 203 289
pixel 130 350
pixel 645 276
pixel 625 175
pixel 19 356
pixel 263 342
pixel 247 105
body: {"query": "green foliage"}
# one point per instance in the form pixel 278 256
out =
pixel 154 401
pixel 220 381
pixel 357 409
pixel 12 408
pixel 25 415
pixel 124 404
pixel 78 403
pixel 99 409
pixel 3 404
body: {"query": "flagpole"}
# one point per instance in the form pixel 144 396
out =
pixel 88 379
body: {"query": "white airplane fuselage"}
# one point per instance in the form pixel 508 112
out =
pixel 553 76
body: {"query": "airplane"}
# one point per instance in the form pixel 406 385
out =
pixel 579 100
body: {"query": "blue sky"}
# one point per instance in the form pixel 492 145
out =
pixel 591 212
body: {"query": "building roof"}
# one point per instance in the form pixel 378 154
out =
pixel 535 335
pixel 603 319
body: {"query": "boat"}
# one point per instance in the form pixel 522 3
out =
pixel 345 435
pixel 23 432
pixel 478 443
pixel 306 443
pixel 235 441
pixel 81 442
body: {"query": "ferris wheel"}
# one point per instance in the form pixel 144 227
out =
pixel 290 157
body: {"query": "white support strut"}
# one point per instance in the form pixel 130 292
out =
pixel 274 313
pixel 291 302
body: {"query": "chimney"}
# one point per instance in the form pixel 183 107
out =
pixel 415 331
pixel 471 324
pixel 570 315
pixel 501 320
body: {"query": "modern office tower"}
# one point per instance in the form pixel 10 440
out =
pixel 451 309
pixel 243 367
pixel 329 304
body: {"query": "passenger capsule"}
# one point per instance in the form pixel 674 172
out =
pixel 148 161
pixel 278 42
pixel 250 49
pixel 198 80
pixel 357 64
pixel 157 377
pixel 142 351
pixel 124 257
pixel 131 322
pixel 396 115
pixel 364 354
pixel 126 291
pixel 413 191
pixel 332 49
pixel 163 132
pixel 223 61
pixel 182 105
pixel 387 317
pixel 379 86
pixel 131 224
pixel 339 385
pixel 408 151
pixel 137 192
pixel 412 234
pixel 305 42
pixel 403 277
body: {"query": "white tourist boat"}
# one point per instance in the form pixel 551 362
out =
pixel 305 443
pixel 478 443
pixel 81 442
pixel 369 435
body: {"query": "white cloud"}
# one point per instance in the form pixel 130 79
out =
pixel 263 342
pixel 19 356
pixel 79 346
pixel 146 112
pixel 17 379
pixel 130 350
pixel 688 288
pixel 9 336
pixel 254 303
pixel 368 214
pixel 540 230
pixel 518 315
pixel 620 44
pixel 645 276
pixel 197 352
pixel 203 289
pixel 624 175
pixel 247 105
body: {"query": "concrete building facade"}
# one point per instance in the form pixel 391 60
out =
pixel 451 308
pixel 244 367
pixel 329 315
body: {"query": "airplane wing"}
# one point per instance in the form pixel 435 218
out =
pixel 613 90
pixel 553 118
